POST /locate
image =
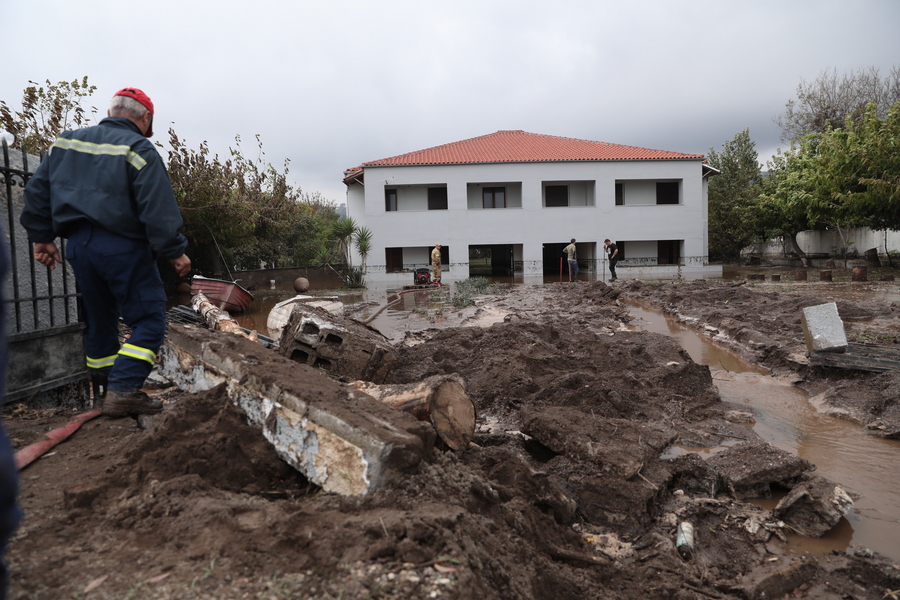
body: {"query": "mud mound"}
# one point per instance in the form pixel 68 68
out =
pixel 509 366
pixel 205 439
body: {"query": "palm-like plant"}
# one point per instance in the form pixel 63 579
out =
pixel 363 239
pixel 343 232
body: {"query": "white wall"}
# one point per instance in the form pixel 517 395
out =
pixel 640 252
pixel 859 239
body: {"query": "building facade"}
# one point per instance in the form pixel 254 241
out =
pixel 507 203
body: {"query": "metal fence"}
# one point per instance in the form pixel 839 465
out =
pixel 40 304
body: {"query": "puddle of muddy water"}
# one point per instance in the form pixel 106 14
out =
pixel 841 451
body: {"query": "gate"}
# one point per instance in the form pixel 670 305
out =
pixel 46 347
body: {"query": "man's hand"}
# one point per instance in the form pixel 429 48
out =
pixel 47 254
pixel 182 265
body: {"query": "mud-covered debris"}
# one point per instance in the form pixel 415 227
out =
pixel 338 345
pixel 749 469
pixel 777 580
pixel 619 445
pixel 814 506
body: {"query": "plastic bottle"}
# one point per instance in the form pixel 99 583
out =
pixel 684 541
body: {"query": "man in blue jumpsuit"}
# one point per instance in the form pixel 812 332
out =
pixel 9 510
pixel 106 189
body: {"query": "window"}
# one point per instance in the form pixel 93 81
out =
pixel 556 195
pixel 437 198
pixel 393 260
pixel 620 195
pixel 667 192
pixel 390 199
pixel 494 197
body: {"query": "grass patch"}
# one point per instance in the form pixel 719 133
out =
pixel 465 291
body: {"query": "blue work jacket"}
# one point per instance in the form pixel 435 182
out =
pixel 108 176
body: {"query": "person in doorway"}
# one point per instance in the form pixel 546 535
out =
pixel 572 259
pixel 436 263
pixel 10 514
pixel 105 189
pixel 613 252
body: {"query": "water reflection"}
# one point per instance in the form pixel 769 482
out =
pixel 841 451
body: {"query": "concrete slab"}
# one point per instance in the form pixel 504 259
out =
pixel 340 438
pixel 823 328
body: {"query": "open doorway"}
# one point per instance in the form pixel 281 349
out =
pixel 555 259
pixel 488 260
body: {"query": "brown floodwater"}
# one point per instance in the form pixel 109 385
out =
pixel 842 451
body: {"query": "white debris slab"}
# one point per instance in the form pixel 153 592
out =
pixel 823 328
pixel 339 438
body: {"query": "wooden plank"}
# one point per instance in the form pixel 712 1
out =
pixel 860 357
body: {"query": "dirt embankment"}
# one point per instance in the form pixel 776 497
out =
pixel 566 494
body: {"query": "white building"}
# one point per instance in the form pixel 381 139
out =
pixel 508 202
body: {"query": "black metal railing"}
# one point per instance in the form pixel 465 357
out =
pixel 37 297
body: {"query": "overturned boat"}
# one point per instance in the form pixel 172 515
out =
pixel 226 295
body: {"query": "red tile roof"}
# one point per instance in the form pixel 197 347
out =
pixel 521 146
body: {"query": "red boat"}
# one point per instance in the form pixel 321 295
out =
pixel 227 295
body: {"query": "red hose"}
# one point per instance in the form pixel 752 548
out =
pixel 32 452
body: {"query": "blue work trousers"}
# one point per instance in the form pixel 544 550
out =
pixel 118 276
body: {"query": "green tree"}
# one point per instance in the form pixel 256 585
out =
pixel 858 171
pixel 731 197
pixel 47 112
pixel 781 209
pixel 839 178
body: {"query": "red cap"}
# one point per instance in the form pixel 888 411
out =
pixel 141 97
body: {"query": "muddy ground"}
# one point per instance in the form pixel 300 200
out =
pixel 565 493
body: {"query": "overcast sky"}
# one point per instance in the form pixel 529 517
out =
pixel 330 84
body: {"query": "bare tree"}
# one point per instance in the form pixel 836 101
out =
pixel 831 97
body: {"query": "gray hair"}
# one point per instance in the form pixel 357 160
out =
pixel 125 106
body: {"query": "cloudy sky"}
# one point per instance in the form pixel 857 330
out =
pixel 330 84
